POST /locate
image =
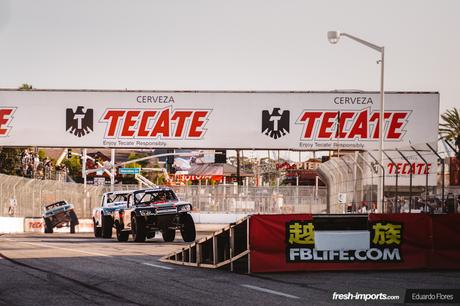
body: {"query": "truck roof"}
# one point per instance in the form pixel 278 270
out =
pixel 119 192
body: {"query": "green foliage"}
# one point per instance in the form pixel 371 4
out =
pixel 73 165
pixel 449 129
pixel 10 161
pixel 41 154
pixel 133 156
pixel 133 165
pixel 160 179
pixel 25 86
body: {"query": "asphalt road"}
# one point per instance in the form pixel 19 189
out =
pixel 64 269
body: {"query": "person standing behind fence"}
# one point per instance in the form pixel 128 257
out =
pixel 47 163
pixel 25 160
pixel 36 163
pixel 12 207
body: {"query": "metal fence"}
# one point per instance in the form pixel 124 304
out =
pixel 244 199
pixel 232 198
pixel 23 197
pixel 415 180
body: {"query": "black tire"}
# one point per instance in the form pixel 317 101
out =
pixel 97 230
pixel 73 221
pixel 187 229
pixel 122 236
pixel 138 229
pixel 107 225
pixel 168 234
pixel 151 235
pixel 48 226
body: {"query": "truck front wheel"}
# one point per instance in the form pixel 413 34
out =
pixel 138 228
pixel 107 224
pixel 187 228
pixel 97 230
pixel 122 236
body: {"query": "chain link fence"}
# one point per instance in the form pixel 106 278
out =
pixel 415 179
pixel 23 197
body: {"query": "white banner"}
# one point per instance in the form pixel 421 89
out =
pixel 421 169
pixel 249 120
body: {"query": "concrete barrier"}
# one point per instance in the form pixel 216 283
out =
pixel 36 225
pixel 9 225
pixel 217 218
pixel 204 222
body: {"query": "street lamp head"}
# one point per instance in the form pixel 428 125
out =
pixel 333 36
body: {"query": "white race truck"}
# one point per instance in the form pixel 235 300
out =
pixel 152 210
pixel 59 214
pixel 103 215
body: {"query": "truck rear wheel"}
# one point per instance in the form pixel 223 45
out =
pixel 97 230
pixel 122 236
pixel 187 229
pixel 168 234
pixel 73 221
pixel 48 226
pixel 107 224
pixel 138 228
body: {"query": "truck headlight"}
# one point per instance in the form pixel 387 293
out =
pixel 185 208
pixel 146 212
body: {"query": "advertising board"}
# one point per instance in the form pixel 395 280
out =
pixel 245 120
pixel 299 242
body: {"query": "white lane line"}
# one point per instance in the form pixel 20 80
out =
pixel 59 248
pixel 270 291
pixel 157 266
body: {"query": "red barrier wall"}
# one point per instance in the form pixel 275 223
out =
pixel 410 241
pixel 446 242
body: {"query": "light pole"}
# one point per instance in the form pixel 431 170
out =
pixel 333 37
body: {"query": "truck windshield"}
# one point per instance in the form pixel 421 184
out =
pixel 158 196
pixel 121 197
pixel 54 205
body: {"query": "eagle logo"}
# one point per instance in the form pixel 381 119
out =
pixel 276 123
pixel 79 122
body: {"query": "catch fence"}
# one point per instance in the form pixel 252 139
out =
pixel 24 197
pixel 416 178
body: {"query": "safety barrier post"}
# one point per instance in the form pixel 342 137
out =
pixel 426 176
pixel 442 171
pixel 410 179
pixel 396 182
pixel 383 178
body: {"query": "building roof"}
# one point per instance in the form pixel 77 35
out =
pixel 215 169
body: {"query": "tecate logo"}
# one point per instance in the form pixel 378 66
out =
pixel 350 125
pixel 6 115
pixel 155 123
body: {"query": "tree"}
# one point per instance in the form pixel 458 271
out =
pixel 10 161
pixel 41 154
pixel 74 166
pixel 25 86
pixel 140 164
pixel 450 128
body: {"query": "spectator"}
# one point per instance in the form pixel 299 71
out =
pixel 36 163
pixel 12 207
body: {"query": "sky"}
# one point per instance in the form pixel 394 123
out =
pixel 230 45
